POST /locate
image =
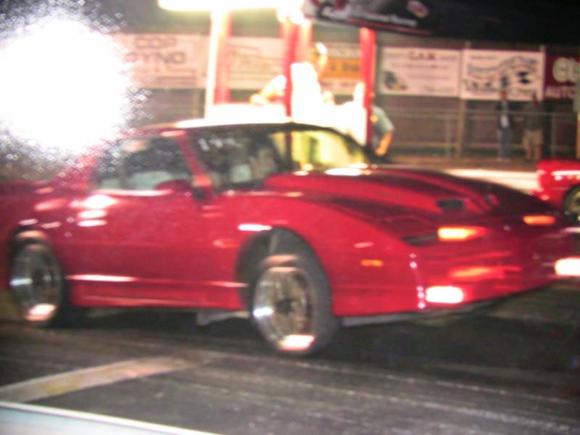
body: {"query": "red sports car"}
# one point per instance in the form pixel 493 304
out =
pixel 559 182
pixel 289 224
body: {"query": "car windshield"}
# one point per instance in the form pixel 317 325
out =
pixel 237 157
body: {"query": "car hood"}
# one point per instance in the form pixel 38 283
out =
pixel 425 190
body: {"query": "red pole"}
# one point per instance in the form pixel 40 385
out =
pixel 222 91
pixel 368 45
pixel 290 36
pixel 305 41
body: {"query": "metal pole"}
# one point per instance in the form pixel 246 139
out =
pixel 553 135
pixel 577 109
pixel 448 147
pixel 461 119
pixel 578 133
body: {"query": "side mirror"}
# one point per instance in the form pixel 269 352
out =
pixel 175 186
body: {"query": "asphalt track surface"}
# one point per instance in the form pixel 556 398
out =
pixel 511 369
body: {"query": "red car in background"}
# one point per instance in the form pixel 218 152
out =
pixel 559 182
pixel 287 223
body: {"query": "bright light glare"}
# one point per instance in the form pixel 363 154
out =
pixel 345 172
pixel 444 295
pixel 63 86
pixel 459 234
pixel 567 173
pixel 254 228
pixel 202 5
pixel 568 267
pixel 296 342
pixel 262 312
pixel 92 214
pixel 101 278
pixel 40 312
pixel 98 202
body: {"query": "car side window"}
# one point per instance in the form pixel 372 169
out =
pixel 238 158
pixel 141 164
pixel 318 149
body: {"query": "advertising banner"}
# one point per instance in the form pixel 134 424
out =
pixel 420 71
pixel 562 73
pixel 486 72
pixel 159 60
pixel 343 69
pixel 404 16
pixel 253 62
pixel 548 22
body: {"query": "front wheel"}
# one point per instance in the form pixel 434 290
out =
pixel 38 287
pixel 291 302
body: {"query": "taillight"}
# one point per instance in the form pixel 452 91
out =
pixel 460 233
pixel 539 220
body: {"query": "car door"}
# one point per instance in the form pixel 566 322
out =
pixel 140 230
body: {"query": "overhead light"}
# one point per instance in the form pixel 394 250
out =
pixel 64 86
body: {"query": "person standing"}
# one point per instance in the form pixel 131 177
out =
pixel 533 138
pixel 305 80
pixel 383 129
pixel 354 123
pixel 505 125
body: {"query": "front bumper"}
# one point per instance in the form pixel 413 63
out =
pixel 507 266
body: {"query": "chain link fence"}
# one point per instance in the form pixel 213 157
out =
pixel 474 132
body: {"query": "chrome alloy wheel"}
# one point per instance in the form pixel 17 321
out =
pixel 36 283
pixel 282 308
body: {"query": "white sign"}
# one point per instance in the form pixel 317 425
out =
pixel 420 71
pixel 343 69
pixel 163 60
pixel 253 62
pixel 486 72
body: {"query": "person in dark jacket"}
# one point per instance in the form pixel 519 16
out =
pixel 505 126
pixel 533 129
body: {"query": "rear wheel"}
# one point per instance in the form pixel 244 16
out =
pixel 572 202
pixel 291 301
pixel 38 287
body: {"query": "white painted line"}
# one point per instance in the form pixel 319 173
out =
pixel 77 380
pixel 33 419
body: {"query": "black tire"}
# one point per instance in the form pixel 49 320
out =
pixel 572 203
pixel 291 302
pixel 38 287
